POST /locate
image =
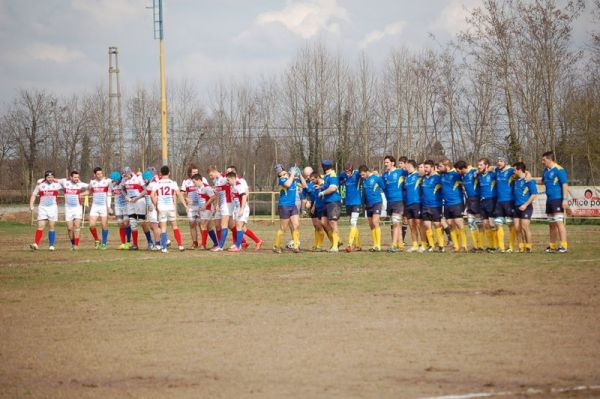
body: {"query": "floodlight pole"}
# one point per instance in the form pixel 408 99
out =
pixel 159 34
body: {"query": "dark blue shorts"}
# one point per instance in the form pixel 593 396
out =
pixel 374 209
pixel 504 209
pixel 487 206
pixel 287 211
pixel 554 206
pixel 432 214
pixel 351 209
pixel 473 206
pixel 526 214
pixel 333 210
pixel 318 213
pixel 413 211
pixel 395 207
pixel 454 211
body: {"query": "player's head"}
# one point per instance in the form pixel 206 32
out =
pixel 482 165
pixel 421 169
pixel 49 176
pixel 314 177
pixel 115 176
pixel 213 172
pixel 444 165
pixel 74 176
pixel 197 179
pixel 402 162
pixel 411 166
pixel 280 170
pixel 98 172
pixel 127 172
pixel 147 176
pixel 326 165
pixel 307 171
pixel 429 167
pixel 501 163
pixel 348 168
pixel 231 177
pixel 389 162
pixel 520 169
pixel 548 159
pixel 164 170
pixel 364 171
pixel 231 168
pixel 192 170
pixel 461 166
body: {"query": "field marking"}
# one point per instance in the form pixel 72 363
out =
pixel 529 391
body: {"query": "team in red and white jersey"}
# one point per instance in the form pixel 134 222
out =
pixel 164 193
pixel 73 189
pixel 193 200
pixel 47 191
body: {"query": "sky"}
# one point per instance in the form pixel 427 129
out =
pixel 62 45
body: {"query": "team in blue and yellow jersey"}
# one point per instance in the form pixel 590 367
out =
pixel 470 183
pixel 373 187
pixel 454 204
pixel 394 193
pixel 557 196
pixel 432 206
pixel 350 179
pixel 413 185
pixel 524 193
pixel 504 210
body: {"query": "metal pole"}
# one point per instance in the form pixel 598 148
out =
pixel 163 91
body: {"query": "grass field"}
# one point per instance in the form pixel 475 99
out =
pixel 121 324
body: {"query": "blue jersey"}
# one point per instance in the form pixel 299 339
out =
pixel 287 195
pixel 373 186
pixel 523 190
pixel 504 184
pixel 471 183
pixel 331 179
pixel 452 190
pixel 352 184
pixel 312 194
pixel 394 184
pixel 432 191
pixel 413 187
pixel 554 178
pixel 487 185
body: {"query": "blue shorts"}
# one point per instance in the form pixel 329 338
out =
pixel 454 211
pixel 287 211
pixel 395 207
pixel 413 211
pixel 526 214
pixel 374 209
pixel 318 213
pixel 487 206
pixel 554 206
pixel 432 214
pixel 504 209
pixel 473 206
pixel 333 210
pixel 350 209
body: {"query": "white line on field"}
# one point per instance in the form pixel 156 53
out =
pixel 529 391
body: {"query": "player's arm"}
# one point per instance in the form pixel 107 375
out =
pixel 32 199
pixel 182 199
pixel 562 177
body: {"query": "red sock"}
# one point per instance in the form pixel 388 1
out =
pixel 134 237
pixel 122 234
pixel 177 235
pixel 38 236
pixel 94 233
pixel 219 235
pixel 195 243
pixel 234 235
pixel 252 236
pixel 76 242
pixel 204 237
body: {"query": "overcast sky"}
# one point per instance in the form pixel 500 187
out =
pixel 62 45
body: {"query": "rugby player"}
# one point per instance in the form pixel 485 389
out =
pixel 190 192
pixel 412 208
pixel 47 190
pixel 432 206
pixel 504 210
pixel 73 189
pixel 164 194
pixel 350 179
pixel 136 209
pixel 471 188
pixel 525 192
pixel 288 212
pixel 557 196
pixel 394 188
pixel 454 205
pixel 101 188
pixel 121 215
pixel 316 208
pixel 333 201
pixel 487 196
pixel 373 187
pixel 205 199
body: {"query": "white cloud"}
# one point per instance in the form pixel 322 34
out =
pixel 375 36
pixel 452 18
pixel 304 18
pixel 49 52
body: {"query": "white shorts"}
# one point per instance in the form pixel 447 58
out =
pixel 167 215
pixel 98 211
pixel 152 216
pixel 245 215
pixel 193 213
pixel 227 209
pixel 73 213
pixel 49 213
pixel 136 208
pixel 216 215
pixel 207 215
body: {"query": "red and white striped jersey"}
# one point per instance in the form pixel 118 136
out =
pixel 188 187
pixel 205 193
pixel 223 189
pixel 240 187
pixel 118 192
pixel 48 192
pixel 100 191
pixel 134 186
pixel 165 189
pixel 73 192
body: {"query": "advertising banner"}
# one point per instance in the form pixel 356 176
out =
pixel 584 201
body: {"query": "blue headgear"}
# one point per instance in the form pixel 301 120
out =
pixel 115 176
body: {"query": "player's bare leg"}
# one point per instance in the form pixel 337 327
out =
pixel 94 231
pixel 194 233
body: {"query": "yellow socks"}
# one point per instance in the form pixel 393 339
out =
pixel 553 246
pixel 439 232
pixel 500 237
pixel 564 244
pixel 278 238
pixel 429 234
pixel 296 239
pixel 376 233
pixel 521 246
pixel 463 238
pixel 454 236
pixel 512 243
pixel 481 235
pixel 335 239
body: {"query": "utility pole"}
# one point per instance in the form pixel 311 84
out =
pixel 157 9
pixel 114 91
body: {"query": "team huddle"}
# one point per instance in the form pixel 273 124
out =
pixel 430 198
pixel 148 201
